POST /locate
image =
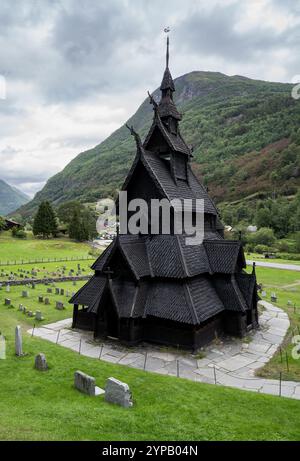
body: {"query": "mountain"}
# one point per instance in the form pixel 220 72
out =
pixel 11 198
pixel 245 134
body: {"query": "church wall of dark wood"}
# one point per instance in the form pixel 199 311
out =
pixel 208 331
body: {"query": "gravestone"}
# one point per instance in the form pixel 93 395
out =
pixel 41 299
pixel 20 307
pixel 8 288
pixel 264 294
pixel 25 294
pixel 40 362
pixel 7 302
pixel 59 305
pixel 30 314
pixel 86 384
pixel 62 291
pixel 57 291
pixel 49 290
pixel 18 341
pixel 47 301
pixel 2 347
pixel 118 392
pixel 38 316
pixel 273 297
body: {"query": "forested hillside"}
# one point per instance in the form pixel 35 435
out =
pixel 245 134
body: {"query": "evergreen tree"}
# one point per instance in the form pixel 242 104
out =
pixel 77 228
pixel 45 223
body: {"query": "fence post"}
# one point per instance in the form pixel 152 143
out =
pixel 280 354
pixel 33 330
pixel 145 360
pixel 287 361
pixel 177 368
pixel 57 336
pixel 100 351
pixel 280 378
pixel 79 347
pixel 215 375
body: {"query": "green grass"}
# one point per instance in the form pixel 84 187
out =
pixel 31 248
pixel 49 312
pixel 259 257
pixel 286 285
pixel 45 406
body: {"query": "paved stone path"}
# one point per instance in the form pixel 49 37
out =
pixel 230 363
pixel 289 267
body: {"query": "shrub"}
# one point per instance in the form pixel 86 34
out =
pixel 18 233
pixel 260 249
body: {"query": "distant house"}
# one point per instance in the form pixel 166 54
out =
pixel 9 224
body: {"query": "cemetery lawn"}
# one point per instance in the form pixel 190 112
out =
pixel 286 285
pixel 45 406
pixel 32 248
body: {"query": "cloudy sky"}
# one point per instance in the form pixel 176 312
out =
pixel 71 71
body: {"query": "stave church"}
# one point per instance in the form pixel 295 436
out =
pixel 155 287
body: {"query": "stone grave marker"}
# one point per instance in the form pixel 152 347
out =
pixel 40 299
pixel 8 288
pixel 25 294
pixel 62 291
pixel 7 302
pixel 118 392
pixel 38 316
pixel 40 362
pixel 57 291
pixel 18 341
pixel 59 305
pixel 49 290
pixel 47 301
pixel 86 384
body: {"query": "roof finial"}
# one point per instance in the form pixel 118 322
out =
pixel 135 135
pixel 167 30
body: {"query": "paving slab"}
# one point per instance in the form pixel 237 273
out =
pixel 233 360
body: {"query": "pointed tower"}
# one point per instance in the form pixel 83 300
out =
pixel 151 285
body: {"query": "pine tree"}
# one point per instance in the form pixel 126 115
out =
pixel 45 223
pixel 78 229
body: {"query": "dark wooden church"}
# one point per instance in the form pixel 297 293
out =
pixel 156 288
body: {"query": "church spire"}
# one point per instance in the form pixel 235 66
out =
pixel 167 108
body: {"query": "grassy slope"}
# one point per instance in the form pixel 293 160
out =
pixel 31 248
pixel 224 118
pixel 286 285
pixel 45 406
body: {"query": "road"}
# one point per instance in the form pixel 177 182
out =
pixel 289 267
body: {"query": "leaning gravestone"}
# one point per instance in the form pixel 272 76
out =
pixel 118 392
pixel 86 384
pixel 40 362
pixel 18 341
